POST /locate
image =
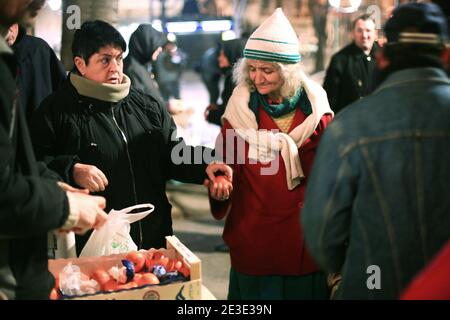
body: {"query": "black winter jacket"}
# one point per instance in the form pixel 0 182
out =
pixel 40 71
pixel 143 43
pixel 31 203
pixel 349 76
pixel 130 141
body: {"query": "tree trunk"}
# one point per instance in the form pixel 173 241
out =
pixel 319 11
pixel 106 10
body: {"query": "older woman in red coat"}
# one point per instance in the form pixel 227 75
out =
pixel 271 129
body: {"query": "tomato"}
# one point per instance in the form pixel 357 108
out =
pixel 162 260
pixel 178 265
pixel 128 285
pixel 101 276
pixel 185 271
pixel 157 255
pixel 137 277
pixel 148 278
pixel 57 282
pixel 173 265
pixel 170 265
pixel 54 294
pixel 223 180
pixel 111 285
pixel 138 259
pixel 149 262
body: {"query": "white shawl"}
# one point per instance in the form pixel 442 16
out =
pixel 263 144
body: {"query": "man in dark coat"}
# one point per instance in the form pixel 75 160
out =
pixel 40 71
pixel 377 205
pixel 348 77
pixel 102 134
pixel 31 202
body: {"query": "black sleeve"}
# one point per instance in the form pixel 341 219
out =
pixel 186 163
pixel 29 205
pixel 45 172
pixel 57 71
pixel 332 82
pixel 43 129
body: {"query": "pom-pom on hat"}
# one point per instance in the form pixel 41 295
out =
pixel 275 40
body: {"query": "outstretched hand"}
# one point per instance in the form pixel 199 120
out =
pixel 220 186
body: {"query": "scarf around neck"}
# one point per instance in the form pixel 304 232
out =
pixel 264 145
pixel 101 91
pixel 300 100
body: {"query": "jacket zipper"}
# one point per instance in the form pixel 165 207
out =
pixel 133 180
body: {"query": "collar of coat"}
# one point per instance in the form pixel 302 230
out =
pixel 101 91
pixel 264 145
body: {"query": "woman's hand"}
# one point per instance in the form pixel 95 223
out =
pixel 89 177
pixel 221 186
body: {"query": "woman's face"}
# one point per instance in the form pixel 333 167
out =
pixel 105 66
pixel 223 60
pixel 266 77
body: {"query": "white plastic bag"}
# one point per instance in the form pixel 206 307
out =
pixel 65 245
pixel 114 236
pixel 72 282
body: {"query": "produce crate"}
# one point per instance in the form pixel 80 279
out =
pixel 187 290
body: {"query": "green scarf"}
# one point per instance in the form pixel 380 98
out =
pixel 101 91
pixel 300 99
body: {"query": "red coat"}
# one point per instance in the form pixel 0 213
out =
pixel 433 283
pixel 262 228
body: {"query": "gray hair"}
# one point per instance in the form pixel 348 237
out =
pixel 290 73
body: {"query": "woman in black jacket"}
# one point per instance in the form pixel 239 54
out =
pixel 145 45
pixel 231 51
pixel 101 134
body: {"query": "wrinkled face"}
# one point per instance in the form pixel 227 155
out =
pixel 105 66
pixel 12 34
pixel 18 10
pixel 266 77
pixel 364 34
pixel 223 60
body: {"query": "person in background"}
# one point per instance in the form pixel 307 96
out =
pixel 40 71
pixel 210 73
pixel 144 48
pixel 349 75
pixel 101 134
pixel 231 51
pixel 377 202
pixel 32 202
pixel 169 67
pixel 271 128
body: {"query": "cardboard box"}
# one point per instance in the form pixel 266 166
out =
pixel 188 290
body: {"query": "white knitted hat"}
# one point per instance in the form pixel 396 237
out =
pixel 274 40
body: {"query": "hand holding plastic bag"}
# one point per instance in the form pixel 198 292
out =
pixel 114 236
